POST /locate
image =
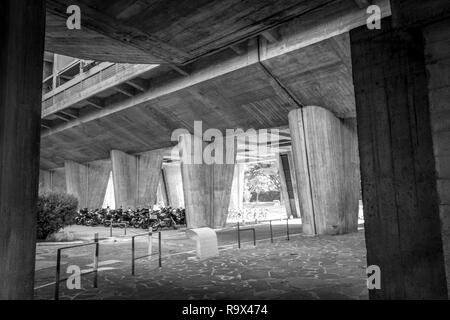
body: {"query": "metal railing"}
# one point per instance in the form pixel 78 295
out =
pixel 112 224
pixel 58 264
pixel 149 234
pixel 149 255
pixel 239 230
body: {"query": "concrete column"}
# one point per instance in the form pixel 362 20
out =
pixel 237 189
pixel 77 181
pixel 288 192
pixel 52 181
pixel 58 177
pixel 124 169
pixel 22 25
pixel 161 194
pixel 174 185
pixel 88 182
pixel 324 151
pixel 398 167
pixel 136 178
pixel 222 182
pixel 207 188
pixel 437 37
pixel 295 203
pixel 45 181
pixel 149 175
pixel 97 179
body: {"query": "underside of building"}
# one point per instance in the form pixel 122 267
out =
pixel 345 106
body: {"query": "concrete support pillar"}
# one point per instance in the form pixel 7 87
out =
pixel 437 37
pixel 124 169
pixel 237 189
pixel 88 182
pixel 98 177
pixel 22 25
pixel 400 194
pixel 77 181
pixel 324 153
pixel 52 180
pixel 207 188
pixel 149 175
pixel 58 177
pixel 222 181
pixel 296 200
pixel 174 185
pixel 161 194
pixel 289 198
pixel 136 178
pixel 45 181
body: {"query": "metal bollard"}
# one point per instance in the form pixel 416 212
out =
pixel 239 235
pixel 287 228
pixel 160 257
pixel 110 228
pixel 97 247
pixel 58 271
pixel 132 256
pixel 150 242
pixel 271 232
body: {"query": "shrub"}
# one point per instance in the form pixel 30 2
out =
pixel 55 211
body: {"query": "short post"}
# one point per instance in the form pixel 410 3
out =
pixel 110 228
pixel 239 235
pixel 132 256
pixel 160 257
pixel 150 242
pixel 271 232
pixel 254 237
pixel 58 270
pixel 287 228
pixel 125 228
pixel 97 247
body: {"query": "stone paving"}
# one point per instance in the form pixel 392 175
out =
pixel 327 267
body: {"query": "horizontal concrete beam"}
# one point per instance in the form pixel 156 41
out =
pixel 294 35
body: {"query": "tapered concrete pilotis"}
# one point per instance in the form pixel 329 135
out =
pixel 136 178
pixel 326 166
pixel 237 189
pixel 289 191
pixel 22 29
pixel 52 181
pixel 88 182
pixel 207 188
pixel 174 185
pixel 437 37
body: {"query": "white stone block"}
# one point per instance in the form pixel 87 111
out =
pixel 206 239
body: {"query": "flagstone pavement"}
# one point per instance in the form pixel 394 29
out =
pixel 326 267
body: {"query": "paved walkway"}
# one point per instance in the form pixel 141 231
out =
pixel 329 267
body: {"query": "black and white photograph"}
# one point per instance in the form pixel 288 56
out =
pixel 225 155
